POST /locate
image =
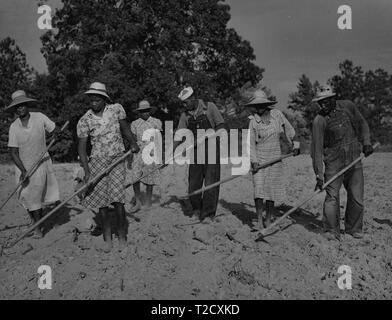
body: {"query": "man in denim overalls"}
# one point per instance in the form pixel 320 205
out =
pixel 201 115
pixel 337 132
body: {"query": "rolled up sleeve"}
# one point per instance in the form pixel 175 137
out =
pixel 120 112
pixel 82 128
pixel 48 124
pixel 12 139
pixel 214 114
pixel 288 128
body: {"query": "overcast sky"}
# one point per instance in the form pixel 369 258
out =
pixel 289 37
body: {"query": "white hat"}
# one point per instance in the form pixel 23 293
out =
pixel 98 88
pixel 143 105
pixel 185 93
pixel 324 92
pixel 19 97
pixel 260 98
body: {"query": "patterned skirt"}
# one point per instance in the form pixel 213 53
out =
pixel 140 168
pixel 269 183
pixel 110 188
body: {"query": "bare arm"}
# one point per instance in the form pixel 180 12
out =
pixel 16 159
pixel 126 132
pixel 289 130
pixel 82 150
pixel 252 147
pixel 14 152
pixel 214 114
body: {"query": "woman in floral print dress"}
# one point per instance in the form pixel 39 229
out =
pixel 139 166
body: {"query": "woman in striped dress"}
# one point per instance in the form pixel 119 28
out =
pixel 266 125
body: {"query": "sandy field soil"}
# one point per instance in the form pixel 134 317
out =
pixel 172 256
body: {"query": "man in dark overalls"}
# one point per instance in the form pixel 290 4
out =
pixel 338 130
pixel 201 115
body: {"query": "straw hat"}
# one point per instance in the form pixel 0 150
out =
pixel 324 92
pixel 19 97
pixel 260 98
pixel 185 93
pixel 143 105
pixel 99 89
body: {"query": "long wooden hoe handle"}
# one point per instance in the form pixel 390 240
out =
pixel 33 167
pixel 88 184
pixel 264 165
pixel 263 232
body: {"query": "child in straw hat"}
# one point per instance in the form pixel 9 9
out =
pixel 139 167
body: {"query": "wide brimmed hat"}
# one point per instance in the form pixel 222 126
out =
pixel 185 93
pixel 98 88
pixel 144 105
pixel 19 97
pixel 260 98
pixel 323 93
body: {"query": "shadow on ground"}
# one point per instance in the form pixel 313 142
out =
pixel 60 217
pixel 383 221
pixel 240 211
pixel 301 216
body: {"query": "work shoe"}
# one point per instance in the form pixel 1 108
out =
pixel 97 231
pixel 331 236
pixel 195 214
pixel 37 234
pixel 135 208
pixel 207 220
pixel 356 235
pixel 104 246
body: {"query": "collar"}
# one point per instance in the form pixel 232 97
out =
pixel 104 113
pixel 142 120
pixel 20 121
pixel 333 112
pixel 201 108
pixel 259 119
pixel 94 115
pixel 255 117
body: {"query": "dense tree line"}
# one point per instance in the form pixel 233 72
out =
pixel 150 49
pixel 141 49
pixel 370 90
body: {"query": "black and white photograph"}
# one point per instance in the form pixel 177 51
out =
pixel 195 153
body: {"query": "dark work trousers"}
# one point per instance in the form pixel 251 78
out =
pixel 354 185
pixel 206 173
pixel 343 149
